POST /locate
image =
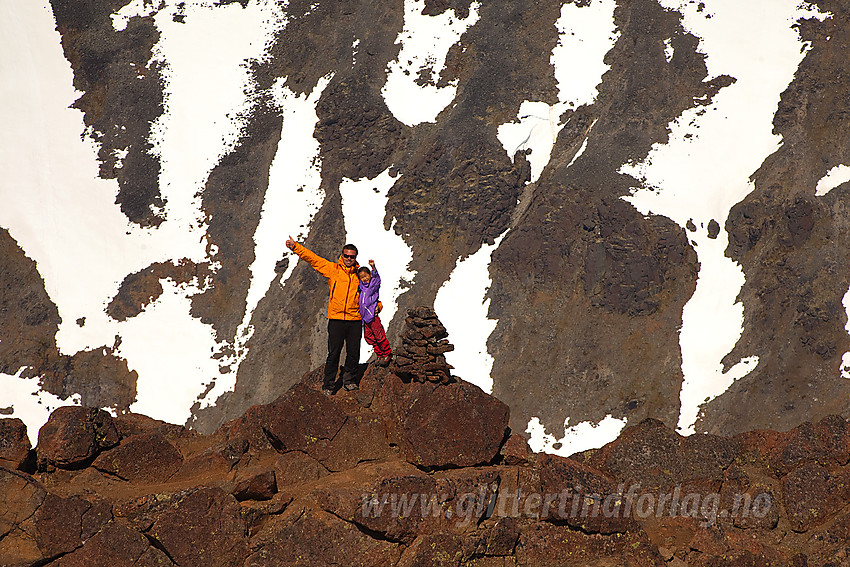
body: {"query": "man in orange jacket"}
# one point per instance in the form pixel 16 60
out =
pixel 344 325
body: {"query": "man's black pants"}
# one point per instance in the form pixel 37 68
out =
pixel 348 332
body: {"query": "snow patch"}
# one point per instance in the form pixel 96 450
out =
pixel 536 128
pixel 29 402
pixel 580 437
pixel 583 144
pixel 135 8
pixel 462 309
pixel 364 205
pixel 833 178
pixel 682 181
pixel 668 50
pixel 845 359
pixel 585 35
pixel 172 353
pixel 354 51
pixel 425 42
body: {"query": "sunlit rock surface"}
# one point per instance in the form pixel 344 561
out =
pixel 365 478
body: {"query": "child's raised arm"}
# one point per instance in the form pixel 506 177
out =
pixel 375 275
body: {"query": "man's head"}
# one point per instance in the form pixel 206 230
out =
pixel 349 255
pixel 365 274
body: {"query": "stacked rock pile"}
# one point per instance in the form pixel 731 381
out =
pixel 423 344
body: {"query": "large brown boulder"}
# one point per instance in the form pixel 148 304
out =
pixel 201 526
pixel 516 451
pixel 64 524
pixel 781 452
pixel 135 424
pixel 116 545
pixel 296 421
pixel 339 432
pixel 144 458
pixel 20 497
pixel 500 540
pixel 813 493
pixel 400 502
pixel 392 499
pixel 443 425
pixel 363 435
pixel 14 443
pixel 544 544
pixel 295 467
pixel 582 497
pixel 314 537
pixel 73 435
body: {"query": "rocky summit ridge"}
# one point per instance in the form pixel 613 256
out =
pixel 405 473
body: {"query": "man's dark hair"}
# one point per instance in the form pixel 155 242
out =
pixel 364 269
pixel 350 247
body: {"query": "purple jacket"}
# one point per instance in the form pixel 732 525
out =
pixel 369 297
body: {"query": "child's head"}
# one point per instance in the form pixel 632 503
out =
pixel 365 274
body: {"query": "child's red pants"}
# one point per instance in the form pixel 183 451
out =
pixel 374 334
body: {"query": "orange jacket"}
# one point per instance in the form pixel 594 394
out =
pixel 342 284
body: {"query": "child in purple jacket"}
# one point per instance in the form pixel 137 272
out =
pixel 373 330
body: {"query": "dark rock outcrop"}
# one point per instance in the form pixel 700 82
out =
pixel 654 455
pixel 122 97
pixel 28 317
pixel 598 285
pixel 29 321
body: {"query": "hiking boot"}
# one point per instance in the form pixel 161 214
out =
pixel 383 361
pixel 350 387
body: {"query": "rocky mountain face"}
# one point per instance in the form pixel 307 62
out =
pixel 411 473
pixel 588 292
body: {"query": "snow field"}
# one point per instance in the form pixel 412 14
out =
pixel 67 220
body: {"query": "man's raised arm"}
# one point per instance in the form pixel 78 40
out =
pixel 318 263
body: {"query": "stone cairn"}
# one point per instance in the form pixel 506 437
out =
pixel 423 344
